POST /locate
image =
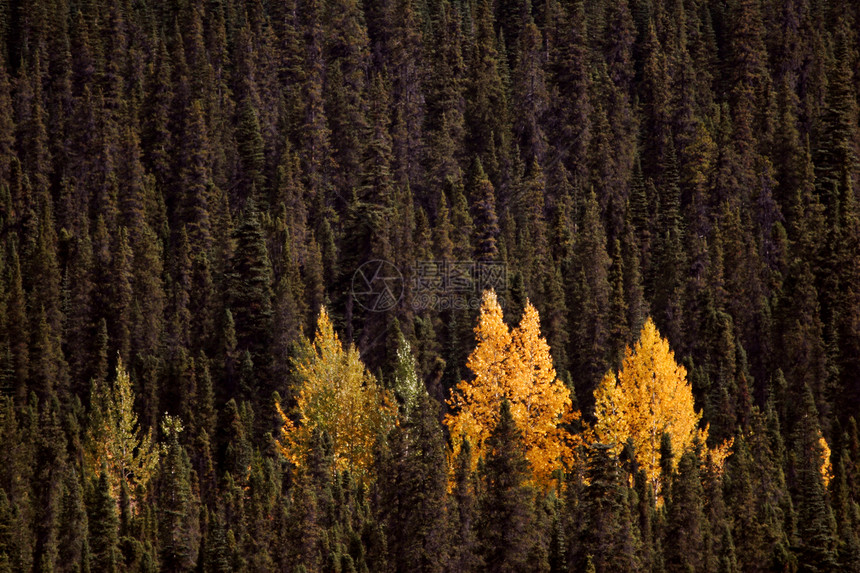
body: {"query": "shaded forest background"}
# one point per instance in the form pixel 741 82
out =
pixel 184 184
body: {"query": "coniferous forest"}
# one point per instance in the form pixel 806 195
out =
pixel 382 286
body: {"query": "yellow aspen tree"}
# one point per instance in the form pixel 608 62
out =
pixel 650 395
pixel 339 396
pixel 115 438
pixel 517 366
pixel 826 465
pixel 476 403
pixel 542 401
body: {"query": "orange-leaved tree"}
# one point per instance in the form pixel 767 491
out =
pixel 514 365
pixel 339 396
pixel 649 396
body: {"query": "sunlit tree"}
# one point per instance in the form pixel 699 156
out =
pixel 516 366
pixel 647 397
pixel 116 439
pixel 339 396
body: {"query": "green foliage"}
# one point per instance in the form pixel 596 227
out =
pixel 178 506
pixel 413 483
pixel 506 511
pixel 104 526
pixel 603 538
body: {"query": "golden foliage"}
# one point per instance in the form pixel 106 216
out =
pixel 826 467
pixel 649 396
pixel 715 460
pixel 514 365
pixel 339 396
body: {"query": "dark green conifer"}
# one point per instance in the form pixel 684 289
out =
pixel 103 527
pixel 686 526
pixel 588 298
pixel 816 534
pixel 73 544
pixel 250 293
pixel 178 507
pixel 483 200
pixel 602 537
pixel 506 512
pixel 465 555
pixel 413 488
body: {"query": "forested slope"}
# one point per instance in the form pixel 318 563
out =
pixel 190 190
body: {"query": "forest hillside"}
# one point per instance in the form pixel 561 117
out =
pixel 429 286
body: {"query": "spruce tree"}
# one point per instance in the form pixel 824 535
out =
pixel 602 536
pixel 178 525
pixel 103 527
pixel 815 522
pixel 588 298
pixel 465 555
pixel 73 543
pixel 686 527
pixel 506 513
pixel 483 201
pixel 413 488
pixel 250 295
pixel 16 552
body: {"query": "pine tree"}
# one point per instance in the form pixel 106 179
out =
pixel 687 528
pixel 444 88
pixel 104 526
pixel 194 180
pixel 251 147
pixel 73 544
pixel 844 511
pixel 50 462
pixel 571 104
pixel 237 448
pixel 506 513
pixel 413 487
pixel 16 315
pixel 16 552
pixel 178 526
pixel 815 523
pixel 487 105
pixel 483 200
pixel 530 92
pixel 250 295
pixel 588 303
pixel 465 551
pixel 619 332
pixel 602 539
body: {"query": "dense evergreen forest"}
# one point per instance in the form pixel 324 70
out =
pixel 429 286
